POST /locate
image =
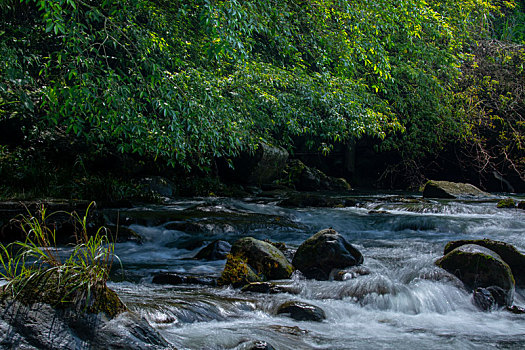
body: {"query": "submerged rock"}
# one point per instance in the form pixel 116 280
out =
pixel 506 251
pixel 269 288
pixel 477 266
pixel 302 311
pixel 490 298
pixel 451 190
pixel 326 250
pixel 216 250
pixel 177 278
pixel 483 299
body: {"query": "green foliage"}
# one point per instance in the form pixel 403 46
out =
pixel 27 263
pixel 492 100
pixel 184 82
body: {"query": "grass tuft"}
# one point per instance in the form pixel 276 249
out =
pixel 37 270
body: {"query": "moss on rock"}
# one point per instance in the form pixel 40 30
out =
pixel 65 290
pixel 477 266
pixel 238 273
pixel 506 251
pixel 507 203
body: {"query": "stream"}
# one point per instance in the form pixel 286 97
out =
pixel 403 301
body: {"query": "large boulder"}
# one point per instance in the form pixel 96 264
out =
pixel 238 273
pixel 41 313
pixel 451 190
pixel 506 251
pixel 264 257
pixel 255 260
pixel 477 266
pixel 326 250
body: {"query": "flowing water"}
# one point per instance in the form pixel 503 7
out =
pixel 403 300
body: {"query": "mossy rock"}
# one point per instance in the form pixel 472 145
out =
pixel 521 205
pixel 326 250
pixel 238 273
pixel 507 203
pixel 263 257
pixel 506 251
pixel 477 266
pixel 451 190
pixel 65 290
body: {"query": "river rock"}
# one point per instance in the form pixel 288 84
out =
pixel 450 190
pixel 477 266
pixel 177 278
pixel 216 250
pixel 326 250
pixel 506 203
pixel 302 311
pixel 270 288
pixel 238 273
pixel 44 317
pixel 521 205
pixel 506 251
pixel 263 257
pixel 490 298
pixel 483 299
pixel 255 345
pixel 252 260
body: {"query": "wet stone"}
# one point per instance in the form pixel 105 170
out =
pixel 216 250
pixel 302 311
pixel 268 288
pixel 518 310
pixel 321 253
pixel 483 299
pixel 351 273
pixel 177 279
pixel 255 345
